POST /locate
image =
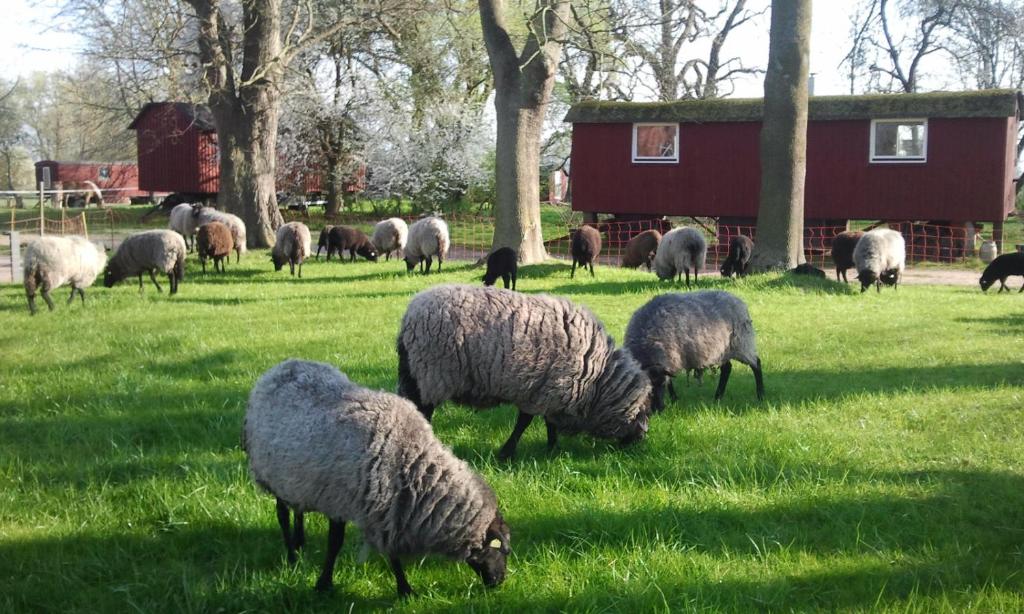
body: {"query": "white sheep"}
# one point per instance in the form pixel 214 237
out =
pixel 676 332
pixel 428 237
pixel 293 245
pixel 318 442
pixel 880 257
pixel 680 250
pixel 183 220
pixel 390 235
pixel 51 262
pixel 233 222
pixel 148 252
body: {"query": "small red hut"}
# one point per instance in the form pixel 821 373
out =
pixel 177 144
pixel 900 157
pixel 117 181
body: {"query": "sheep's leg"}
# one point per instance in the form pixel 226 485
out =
pixel 46 295
pixel 572 273
pixel 1002 284
pixel 506 279
pixel 440 261
pixel 430 262
pixel 404 590
pixel 513 281
pixel 657 392
pixel 140 283
pixel 427 411
pixel 291 267
pixel 552 435
pixel 335 540
pixel 71 298
pixel 81 293
pixel 352 255
pixel 592 268
pixel 687 269
pixel 299 534
pixel 671 389
pixel 202 261
pixel 238 254
pixel 152 275
pixel 758 380
pixel 723 379
pixel 508 450
pixel 300 269
pixel 283 518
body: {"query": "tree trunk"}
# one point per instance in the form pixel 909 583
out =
pixel 522 87
pixel 780 218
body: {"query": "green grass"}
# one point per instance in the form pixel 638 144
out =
pixel 882 473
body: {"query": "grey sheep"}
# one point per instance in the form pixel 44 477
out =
pixel 318 442
pixel 293 245
pixel 584 247
pixel 51 262
pixel 483 346
pixel 843 245
pixel 680 250
pixel 880 256
pixel 681 332
pixel 151 251
pixel 428 237
pixel 321 243
pixel 213 240
pixel 232 221
pixel 389 236
pixel 640 249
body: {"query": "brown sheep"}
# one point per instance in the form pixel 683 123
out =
pixel 214 240
pixel 640 249
pixel 842 251
pixel 585 246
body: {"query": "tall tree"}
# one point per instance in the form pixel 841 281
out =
pixel 522 89
pixel 780 218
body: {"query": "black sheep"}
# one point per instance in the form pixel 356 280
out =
pixel 808 269
pixel 586 245
pixel 1001 268
pixel 341 238
pixel 738 260
pixel 502 263
pixel 843 245
pixel 322 241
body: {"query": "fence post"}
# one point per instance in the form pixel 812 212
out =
pixel 42 216
pixel 17 275
pixel 85 227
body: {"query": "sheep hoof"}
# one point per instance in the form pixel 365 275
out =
pixel 324 585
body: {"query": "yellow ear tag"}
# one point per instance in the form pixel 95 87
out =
pixel 495 543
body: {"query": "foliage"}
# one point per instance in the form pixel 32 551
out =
pixel 882 474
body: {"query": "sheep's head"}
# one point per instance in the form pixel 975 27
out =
pixel 278 259
pixel 366 250
pixel 866 278
pixel 727 268
pixel 410 263
pixel 489 560
pixel 112 274
pixel 889 277
pixel 986 282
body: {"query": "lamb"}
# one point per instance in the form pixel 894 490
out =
pixel 585 247
pixel 879 257
pixel 341 238
pixel 318 442
pixel 682 332
pixel 390 235
pixel 213 240
pixel 738 259
pixel 640 249
pixel 183 220
pixel 843 245
pixel 809 269
pixel 680 250
pixel 1000 268
pixel 292 245
pixel 233 222
pixel 322 241
pixel 428 237
pixel 503 263
pixel 483 346
pixel 149 251
pixel 51 262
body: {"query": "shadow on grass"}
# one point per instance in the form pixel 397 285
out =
pixel 1004 324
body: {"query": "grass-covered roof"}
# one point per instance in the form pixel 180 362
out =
pixel 984 103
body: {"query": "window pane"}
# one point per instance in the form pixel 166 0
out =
pixel 899 140
pixel 911 140
pixel 885 139
pixel 656 141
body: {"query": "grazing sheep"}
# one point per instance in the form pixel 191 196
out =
pixel 51 262
pixel 549 357
pixel 503 263
pixel 585 247
pixel 390 235
pixel 843 245
pixel 680 250
pixel 213 240
pixel 233 222
pixel 293 245
pixel 183 221
pixel 879 257
pixel 738 259
pixel 149 251
pixel 322 241
pixel 640 249
pixel 1001 268
pixel 318 442
pixel 341 238
pixel 682 332
pixel 808 269
pixel 428 237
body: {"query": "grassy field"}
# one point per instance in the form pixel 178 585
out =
pixel 882 473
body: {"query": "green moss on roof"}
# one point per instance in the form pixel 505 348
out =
pixel 983 103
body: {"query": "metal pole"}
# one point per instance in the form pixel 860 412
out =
pixel 85 227
pixel 16 272
pixel 42 216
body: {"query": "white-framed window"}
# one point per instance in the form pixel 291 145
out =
pixel 899 140
pixel 657 143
